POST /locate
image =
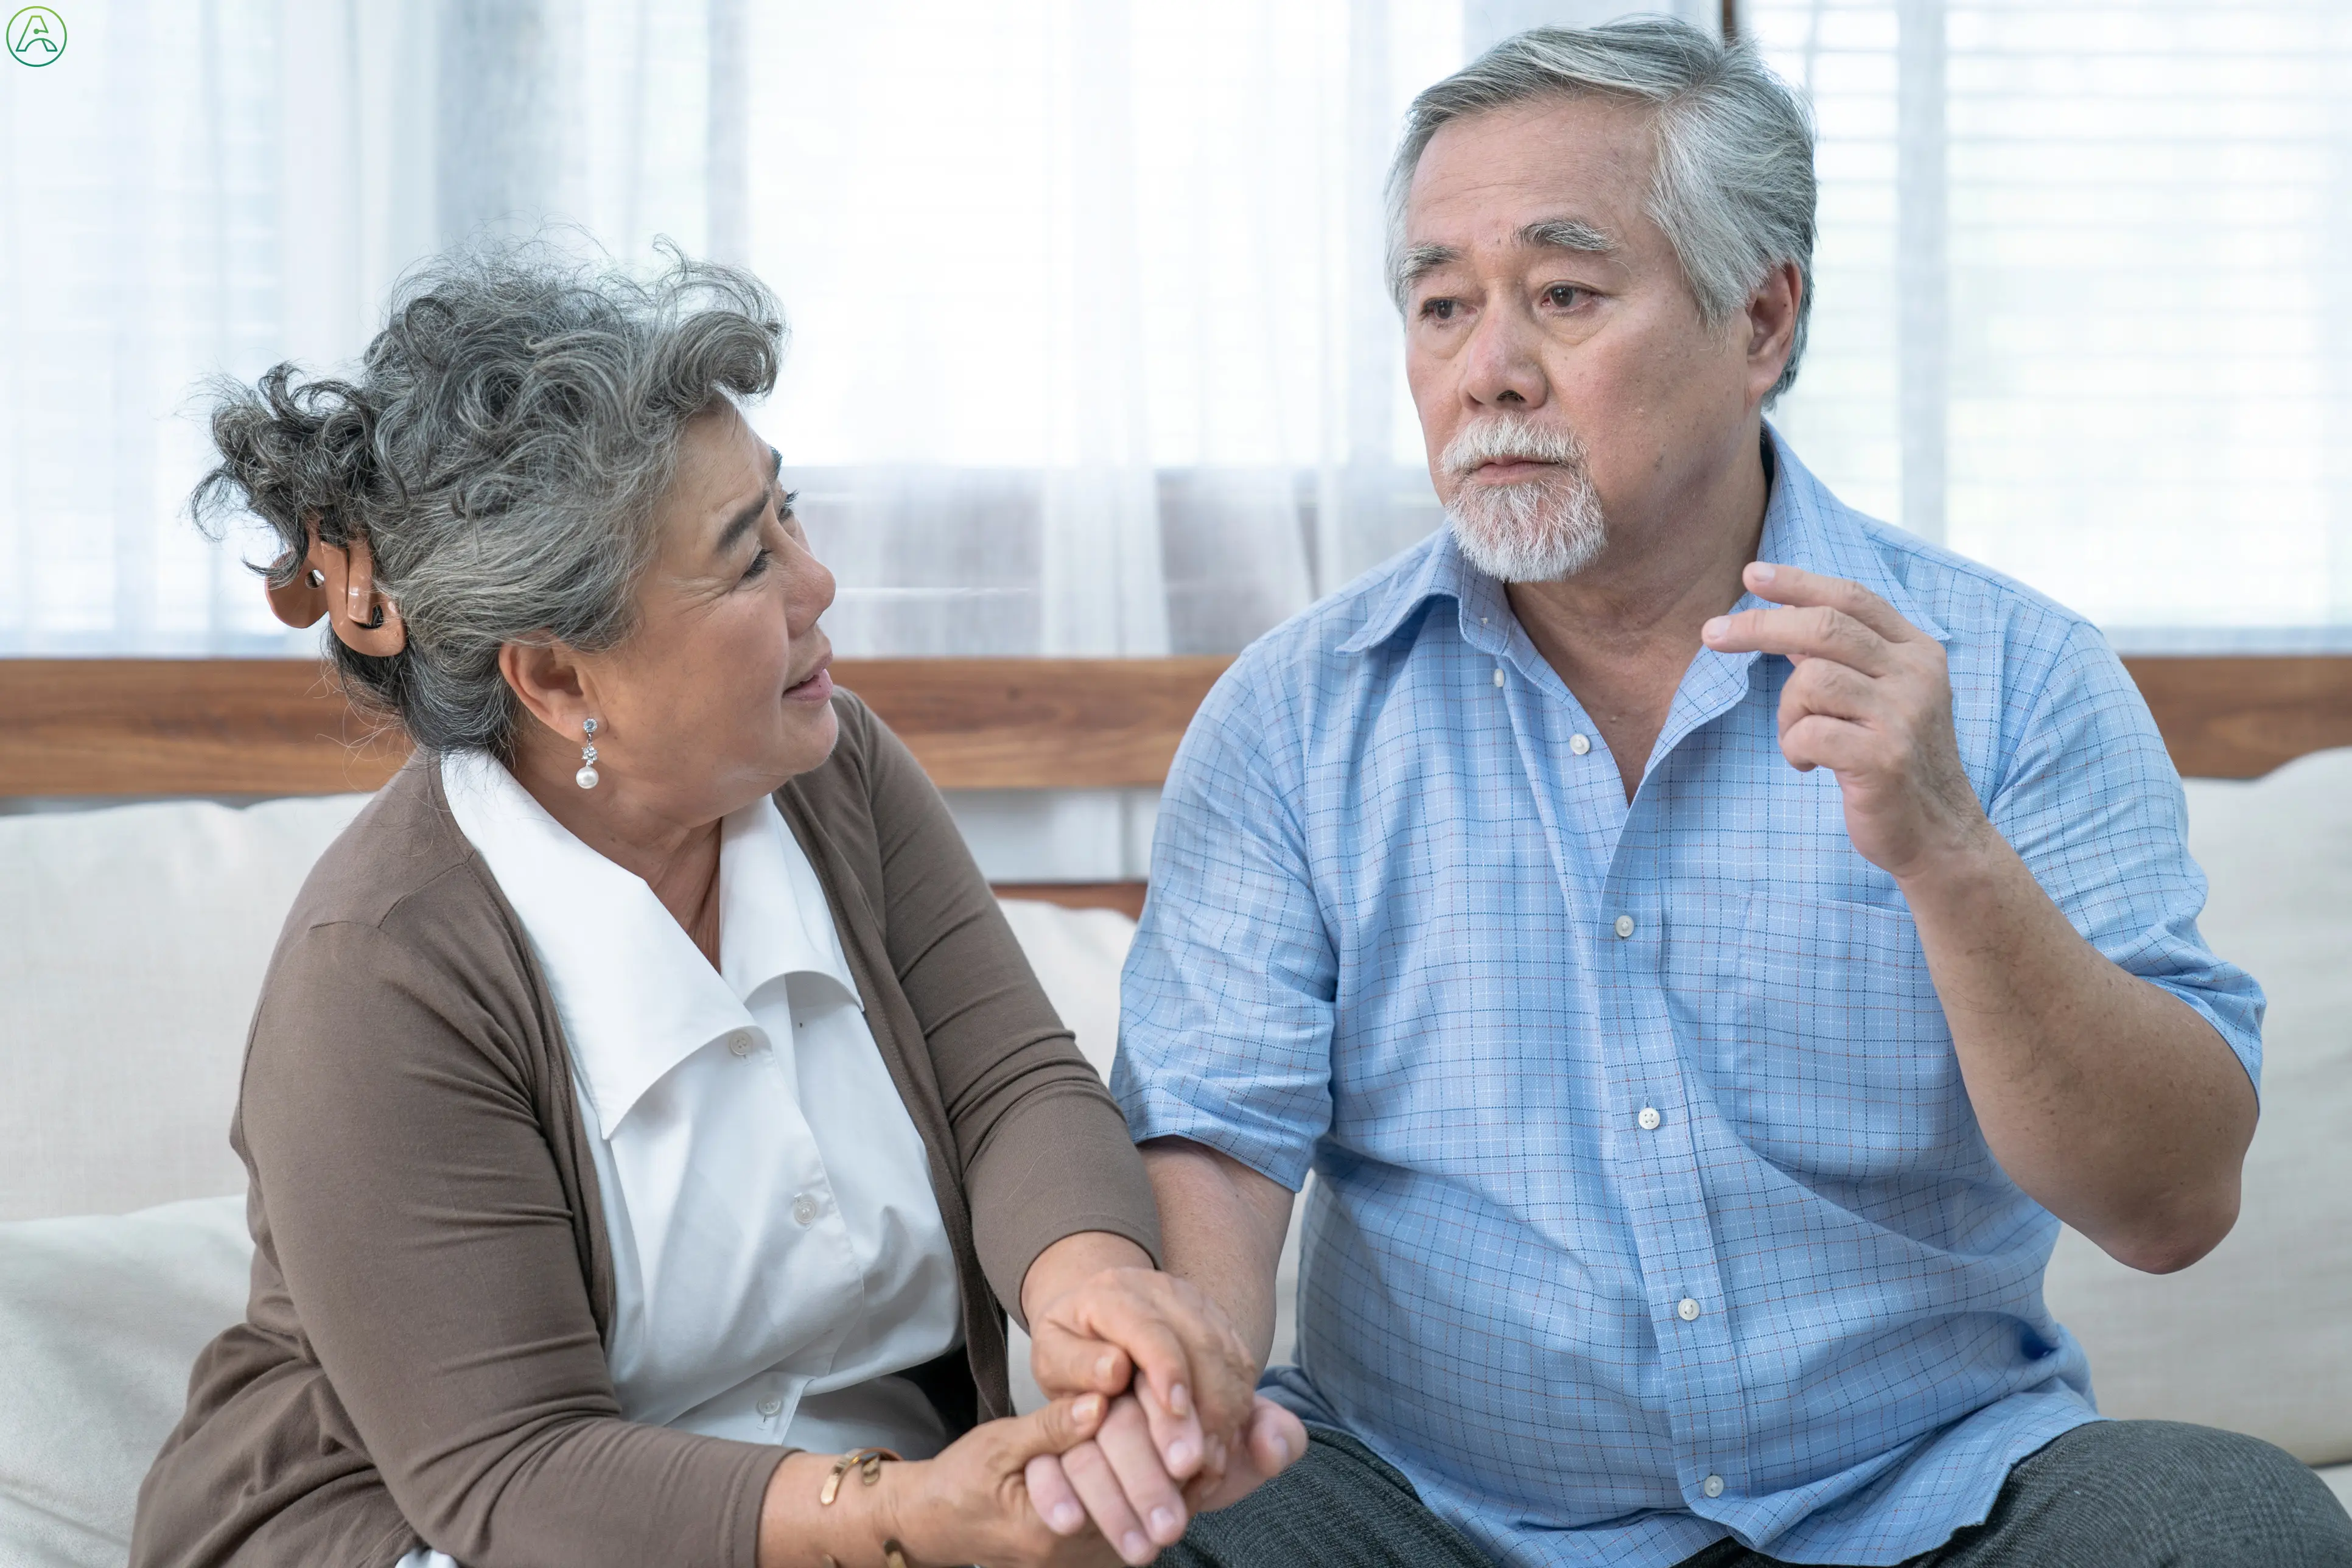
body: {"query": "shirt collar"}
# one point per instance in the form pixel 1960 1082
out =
pixel 1804 526
pixel 635 995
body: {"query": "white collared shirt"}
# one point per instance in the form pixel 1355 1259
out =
pixel 777 1248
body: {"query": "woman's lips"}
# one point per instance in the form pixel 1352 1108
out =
pixel 817 688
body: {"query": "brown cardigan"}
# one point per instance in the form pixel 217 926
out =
pixel 422 1356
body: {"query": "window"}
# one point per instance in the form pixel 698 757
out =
pixel 2077 309
pixel 1092 354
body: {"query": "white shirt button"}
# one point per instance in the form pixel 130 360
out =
pixel 770 1407
pixel 1712 1486
pixel 1580 744
pixel 1649 1119
pixel 1624 925
pixel 1498 675
pixel 740 1041
pixel 1687 1310
pixel 804 1209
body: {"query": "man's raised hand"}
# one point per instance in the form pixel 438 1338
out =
pixel 1870 701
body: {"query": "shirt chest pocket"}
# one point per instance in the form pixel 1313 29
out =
pixel 1839 1064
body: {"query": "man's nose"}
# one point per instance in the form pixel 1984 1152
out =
pixel 1504 368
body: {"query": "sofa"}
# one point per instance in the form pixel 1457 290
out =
pixel 132 940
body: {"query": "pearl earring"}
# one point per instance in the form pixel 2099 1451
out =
pixel 586 777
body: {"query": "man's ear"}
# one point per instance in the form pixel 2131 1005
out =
pixel 1771 317
pixel 546 680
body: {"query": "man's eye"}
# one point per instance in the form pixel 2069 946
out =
pixel 1564 296
pixel 1437 310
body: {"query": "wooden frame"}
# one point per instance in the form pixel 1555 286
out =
pixel 272 727
pixel 109 727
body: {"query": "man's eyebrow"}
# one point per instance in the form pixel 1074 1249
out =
pixel 1416 262
pixel 1567 234
pixel 744 520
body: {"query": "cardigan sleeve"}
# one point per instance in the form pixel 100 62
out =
pixel 405 1182
pixel 1044 1151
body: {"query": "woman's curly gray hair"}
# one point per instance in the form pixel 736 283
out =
pixel 501 449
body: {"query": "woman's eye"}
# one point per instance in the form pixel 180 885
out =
pixel 759 563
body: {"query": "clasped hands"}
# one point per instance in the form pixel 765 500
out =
pixel 1186 1432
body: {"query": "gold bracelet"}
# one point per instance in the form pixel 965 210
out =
pixel 867 1462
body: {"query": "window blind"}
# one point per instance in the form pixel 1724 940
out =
pixel 2090 293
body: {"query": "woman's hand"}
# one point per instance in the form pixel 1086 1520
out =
pixel 972 1503
pixel 1100 1317
pixel 1116 1479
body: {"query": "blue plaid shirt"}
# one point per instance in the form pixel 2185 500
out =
pixel 1650 1207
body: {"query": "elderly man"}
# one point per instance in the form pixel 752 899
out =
pixel 1701 939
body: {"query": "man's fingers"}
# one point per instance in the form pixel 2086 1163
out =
pixel 1106 1501
pixel 1276 1438
pixel 1834 690
pixel 1273 1439
pixel 1157 1497
pixel 1181 1444
pixel 1795 585
pixel 1818 740
pixel 1051 1494
pixel 1811 632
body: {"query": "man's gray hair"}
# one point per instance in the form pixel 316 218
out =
pixel 501 448
pixel 1732 185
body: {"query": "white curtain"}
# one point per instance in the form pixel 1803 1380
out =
pixel 1091 354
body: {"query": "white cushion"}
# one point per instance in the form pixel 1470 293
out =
pixel 2258 1336
pixel 1077 954
pixel 101 1319
pixel 132 945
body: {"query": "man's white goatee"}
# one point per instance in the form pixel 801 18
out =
pixel 1538 530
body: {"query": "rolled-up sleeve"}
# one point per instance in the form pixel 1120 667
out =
pixel 1227 998
pixel 2092 804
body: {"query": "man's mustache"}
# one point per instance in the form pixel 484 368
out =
pixel 1510 440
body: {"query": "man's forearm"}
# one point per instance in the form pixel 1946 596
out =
pixel 1220 1226
pixel 2113 1103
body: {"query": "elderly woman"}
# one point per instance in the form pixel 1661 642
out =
pixel 648 1102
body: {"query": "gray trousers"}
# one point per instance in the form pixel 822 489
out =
pixel 2114 1494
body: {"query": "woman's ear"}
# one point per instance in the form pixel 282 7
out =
pixel 546 680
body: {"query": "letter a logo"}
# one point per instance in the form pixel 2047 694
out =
pixel 36 35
